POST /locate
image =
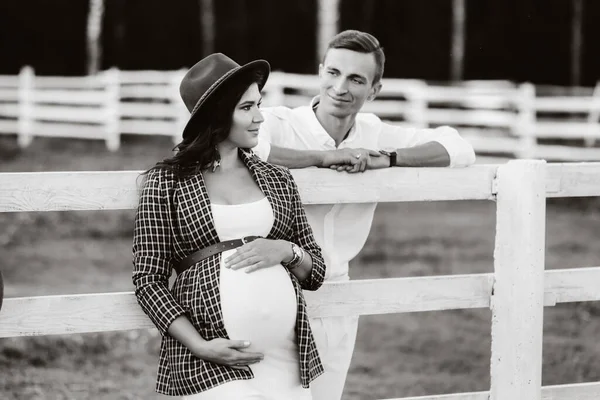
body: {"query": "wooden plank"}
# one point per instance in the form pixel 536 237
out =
pixel 59 191
pixel 68 82
pixel 9 94
pixel 146 92
pixel 566 153
pixel 574 179
pixel 10 81
pixel 458 94
pixel 68 130
pixel 69 114
pixel 388 108
pixel 9 109
pixel 576 391
pixel 563 104
pixel 518 300
pixel 9 126
pixel 51 191
pixel 298 81
pixel 570 285
pixel 75 97
pixel 147 76
pixel 566 129
pixel 471 117
pixel 148 127
pixel 453 396
pixel 401 295
pixel 148 110
pixel 48 315
pixel 493 144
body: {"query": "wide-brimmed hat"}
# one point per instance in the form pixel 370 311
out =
pixel 210 75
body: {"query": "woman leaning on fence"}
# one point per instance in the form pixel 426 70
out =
pixel 234 324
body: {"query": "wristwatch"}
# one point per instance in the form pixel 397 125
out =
pixel 296 259
pixel 392 154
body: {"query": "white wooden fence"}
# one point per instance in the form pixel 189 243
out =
pixel 516 291
pixel 92 107
pixel 497 117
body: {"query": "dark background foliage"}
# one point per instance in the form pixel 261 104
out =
pixel 521 40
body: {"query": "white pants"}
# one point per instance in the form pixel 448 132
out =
pixel 335 338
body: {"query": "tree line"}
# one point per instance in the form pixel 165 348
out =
pixel 520 40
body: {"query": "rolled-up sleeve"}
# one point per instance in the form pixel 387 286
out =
pixel 460 151
pixel 152 254
pixel 303 237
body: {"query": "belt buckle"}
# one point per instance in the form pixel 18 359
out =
pixel 248 239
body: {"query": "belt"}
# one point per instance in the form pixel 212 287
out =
pixel 211 250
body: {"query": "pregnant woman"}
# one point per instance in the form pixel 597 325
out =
pixel 234 324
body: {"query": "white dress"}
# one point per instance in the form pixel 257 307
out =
pixel 260 307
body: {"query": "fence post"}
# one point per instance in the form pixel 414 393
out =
pixel 113 116
pixel 182 115
pixel 418 100
pixel 593 117
pixel 273 92
pixel 525 124
pixel 518 293
pixel 26 93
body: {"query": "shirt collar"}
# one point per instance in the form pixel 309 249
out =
pixel 318 129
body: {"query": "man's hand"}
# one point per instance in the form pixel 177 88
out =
pixel 350 160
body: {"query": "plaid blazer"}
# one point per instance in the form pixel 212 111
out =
pixel 173 220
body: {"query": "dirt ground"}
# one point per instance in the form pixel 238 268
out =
pixel 396 355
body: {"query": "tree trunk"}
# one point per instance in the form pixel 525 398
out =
pixel 94 30
pixel 327 24
pixel 207 22
pixel 458 40
pixel 577 42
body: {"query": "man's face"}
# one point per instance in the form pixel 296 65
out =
pixel 347 81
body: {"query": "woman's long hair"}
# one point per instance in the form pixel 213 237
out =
pixel 198 151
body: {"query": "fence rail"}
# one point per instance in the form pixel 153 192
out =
pixel 517 290
pixel 498 117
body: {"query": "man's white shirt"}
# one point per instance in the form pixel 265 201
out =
pixel 342 229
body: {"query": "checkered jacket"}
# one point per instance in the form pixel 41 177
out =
pixel 173 220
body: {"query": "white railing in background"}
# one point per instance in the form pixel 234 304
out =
pixel 104 106
pixel 497 117
pixel 516 291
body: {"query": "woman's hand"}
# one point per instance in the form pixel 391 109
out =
pixel 228 352
pixel 260 253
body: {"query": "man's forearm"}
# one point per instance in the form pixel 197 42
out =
pixel 431 154
pixel 295 158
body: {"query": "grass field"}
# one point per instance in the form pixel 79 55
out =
pixel 396 355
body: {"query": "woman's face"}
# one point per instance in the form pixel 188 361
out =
pixel 246 119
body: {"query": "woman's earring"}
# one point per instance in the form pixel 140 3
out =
pixel 217 163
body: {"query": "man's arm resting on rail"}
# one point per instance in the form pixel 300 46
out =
pixel 431 154
pixel 292 158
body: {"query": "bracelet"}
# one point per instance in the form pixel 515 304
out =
pixel 298 262
pixel 297 259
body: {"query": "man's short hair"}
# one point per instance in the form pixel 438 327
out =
pixel 361 42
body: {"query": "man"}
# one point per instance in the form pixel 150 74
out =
pixel 330 132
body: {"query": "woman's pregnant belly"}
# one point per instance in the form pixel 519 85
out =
pixel 261 307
